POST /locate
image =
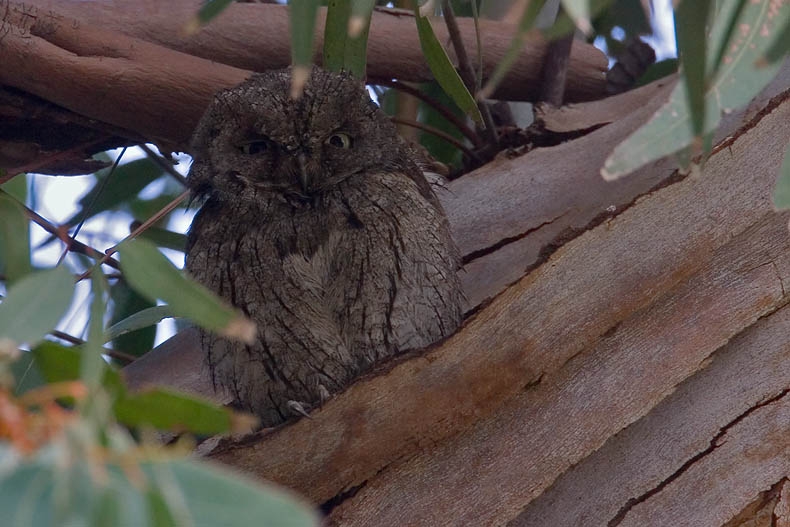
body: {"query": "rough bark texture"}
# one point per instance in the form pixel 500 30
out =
pixel 636 375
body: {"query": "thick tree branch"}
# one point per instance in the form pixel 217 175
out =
pixel 129 65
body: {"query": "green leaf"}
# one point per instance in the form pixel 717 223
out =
pixel 782 191
pixel 302 18
pixel 443 69
pixel 176 412
pixel 125 182
pixel 14 240
pixel 26 374
pixel 48 490
pixel 16 187
pixel 153 276
pixel 656 71
pixel 131 332
pixel 691 18
pixel 211 8
pixel 781 43
pixel 92 364
pixel 144 318
pixel 165 238
pixel 579 11
pixel 58 363
pixel 35 304
pixel 738 80
pixel 220 497
pixel 342 49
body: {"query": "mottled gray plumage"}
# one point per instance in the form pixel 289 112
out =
pixel 319 226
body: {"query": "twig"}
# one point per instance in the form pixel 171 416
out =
pixel 466 71
pixel 164 165
pixel 555 70
pixel 71 244
pixel 441 135
pixel 115 354
pixel 436 105
pixel 142 228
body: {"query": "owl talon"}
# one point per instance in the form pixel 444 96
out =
pixel 297 408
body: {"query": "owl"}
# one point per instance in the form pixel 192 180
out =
pixel 319 225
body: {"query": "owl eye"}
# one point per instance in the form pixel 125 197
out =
pixel 257 146
pixel 339 140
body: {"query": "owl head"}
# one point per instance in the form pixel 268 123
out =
pixel 255 141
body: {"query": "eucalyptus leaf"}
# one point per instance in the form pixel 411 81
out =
pixel 35 304
pixel 782 191
pixel 45 490
pixel 167 410
pixel 14 240
pixel 130 336
pixel 57 363
pixel 443 70
pixel 153 276
pixel 124 183
pixel 344 49
pixel 144 318
pixel 737 81
pixel 302 16
pixel 691 18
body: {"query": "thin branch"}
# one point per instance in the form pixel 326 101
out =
pixel 71 244
pixel 555 70
pixel 115 354
pixel 436 105
pixel 466 71
pixel 163 164
pixel 164 211
pixel 441 135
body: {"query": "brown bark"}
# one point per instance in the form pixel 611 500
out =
pixel 640 363
pixel 131 66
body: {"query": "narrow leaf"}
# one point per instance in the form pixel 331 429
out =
pixel 335 34
pixel 302 16
pixel 579 11
pixel 782 191
pixel 153 276
pixel 691 19
pixel 14 240
pixel 35 304
pixel 209 10
pixel 443 69
pixel 130 336
pixel 167 410
pixel 144 318
pixel 92 363
pixel 126 181
pixel 780 47
pixel 58 363
pixel 219 497
pixel 738 80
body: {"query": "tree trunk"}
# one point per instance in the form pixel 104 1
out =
pixel 625 357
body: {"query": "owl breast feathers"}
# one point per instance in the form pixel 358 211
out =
pixel 318 225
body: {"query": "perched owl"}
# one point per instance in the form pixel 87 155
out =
pixel 320 226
